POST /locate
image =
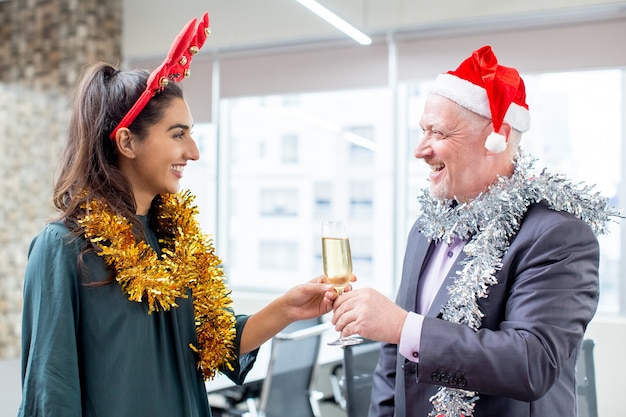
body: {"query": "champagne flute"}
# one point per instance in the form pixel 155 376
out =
pixel 337 261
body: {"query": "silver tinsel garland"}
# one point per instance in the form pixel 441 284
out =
pixel 488 222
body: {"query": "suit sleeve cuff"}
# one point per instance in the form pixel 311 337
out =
pixel 411 336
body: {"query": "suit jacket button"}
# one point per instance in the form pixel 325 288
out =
pixel 462 382
pixel 435 376
pixel 453 381
pixel 445 378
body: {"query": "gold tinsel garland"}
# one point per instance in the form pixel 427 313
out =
pixel 188 262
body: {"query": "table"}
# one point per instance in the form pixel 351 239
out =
pixel 328 355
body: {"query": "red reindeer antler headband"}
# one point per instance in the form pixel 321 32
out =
pixel 174 68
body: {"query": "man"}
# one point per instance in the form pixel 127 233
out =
pixel 500 275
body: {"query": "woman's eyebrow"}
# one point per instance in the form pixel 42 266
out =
pixel 179 126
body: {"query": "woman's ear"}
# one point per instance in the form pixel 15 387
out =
pixel 125 143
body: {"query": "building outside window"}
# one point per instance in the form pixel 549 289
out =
pixel 296 159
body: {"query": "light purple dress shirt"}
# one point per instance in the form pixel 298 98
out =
pixel 436 271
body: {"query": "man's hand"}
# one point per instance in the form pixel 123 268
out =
pixel 368 313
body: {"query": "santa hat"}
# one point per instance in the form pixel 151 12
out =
pixel 490 90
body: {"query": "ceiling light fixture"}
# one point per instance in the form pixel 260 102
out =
pixel 336 21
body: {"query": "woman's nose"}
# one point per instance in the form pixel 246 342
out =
pixel 192 151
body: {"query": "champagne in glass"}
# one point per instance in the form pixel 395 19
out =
pixel 337 261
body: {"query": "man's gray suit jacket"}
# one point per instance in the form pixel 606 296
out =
pixel 521 362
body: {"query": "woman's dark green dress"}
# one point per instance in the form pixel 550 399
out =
pixel 89 351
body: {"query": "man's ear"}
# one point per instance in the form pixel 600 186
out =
pixel 497 142
pixel 125 143
pixel 505 130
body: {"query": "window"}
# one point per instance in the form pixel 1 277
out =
pixel 362 135
pixel 278 255
pixel 361 199
pixel 279 202
pixel 576 131
pixel 299 158
pixel 324 156
pixel 322 193
pixel 290 149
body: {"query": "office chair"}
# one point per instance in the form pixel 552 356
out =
pixel 586 376
pixel 288 389
pixel 352 380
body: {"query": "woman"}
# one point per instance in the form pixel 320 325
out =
pixel 125 311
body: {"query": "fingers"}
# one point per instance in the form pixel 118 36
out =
pixel 366 312
pixel 342 306
pixel 320 279
pixel 351 321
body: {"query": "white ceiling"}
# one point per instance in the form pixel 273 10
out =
pixel 150 25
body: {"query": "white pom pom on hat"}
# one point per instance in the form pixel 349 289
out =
pixel 490 90
pixel 495 142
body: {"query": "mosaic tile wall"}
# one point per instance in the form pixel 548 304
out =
pixel 44 45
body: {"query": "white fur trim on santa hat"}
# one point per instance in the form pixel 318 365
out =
pixel 474 98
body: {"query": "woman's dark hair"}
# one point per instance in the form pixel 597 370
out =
pixel 89 165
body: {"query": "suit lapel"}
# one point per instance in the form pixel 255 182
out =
pixel 414 261
pixel 442 295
